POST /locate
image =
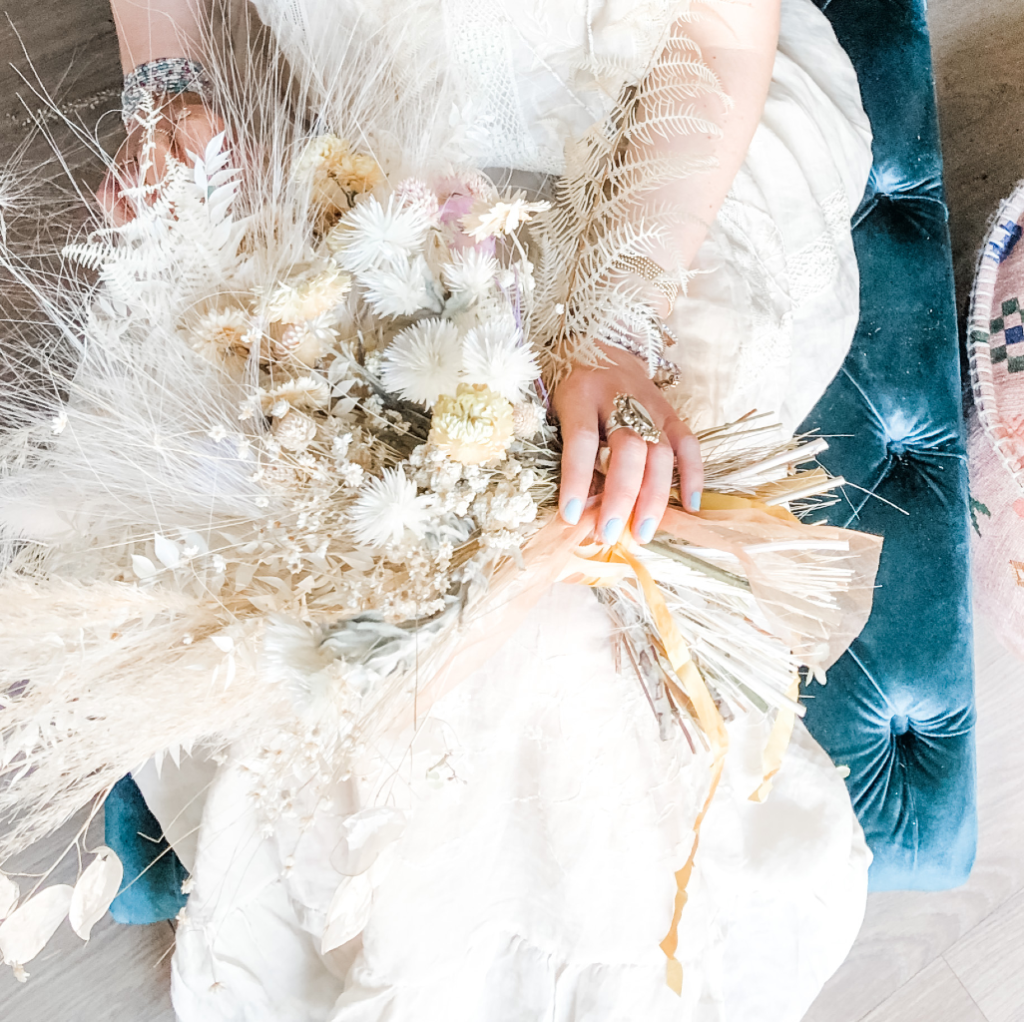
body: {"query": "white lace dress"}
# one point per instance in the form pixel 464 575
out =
pixel 518 862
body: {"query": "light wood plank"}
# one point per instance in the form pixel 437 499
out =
pixel 904 931
pixel 934 994
pixel 121 975
pixel 989 962
pixel 980 95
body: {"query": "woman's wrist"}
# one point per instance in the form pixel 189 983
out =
pixel 149 30
pixel 165 77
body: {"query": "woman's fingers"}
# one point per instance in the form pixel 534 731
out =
pixel 654 491
pixel 623 481
pixel 691 468
pixel 580 441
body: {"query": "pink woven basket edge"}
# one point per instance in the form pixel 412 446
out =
pixel 1011 211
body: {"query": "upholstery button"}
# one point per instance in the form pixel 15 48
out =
pixel 896 448
pixel 900 724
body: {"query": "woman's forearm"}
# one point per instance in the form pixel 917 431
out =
pixel 738 41
pixel 150 29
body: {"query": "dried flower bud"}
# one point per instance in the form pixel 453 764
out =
pixel 527 418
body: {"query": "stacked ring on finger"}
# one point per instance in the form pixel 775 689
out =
pixel 630 414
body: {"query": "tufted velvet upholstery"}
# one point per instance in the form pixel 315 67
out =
pixel 898 708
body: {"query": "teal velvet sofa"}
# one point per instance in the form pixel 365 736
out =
pixel 898 709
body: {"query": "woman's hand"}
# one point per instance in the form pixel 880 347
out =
pixel 639 476
pixel 186 126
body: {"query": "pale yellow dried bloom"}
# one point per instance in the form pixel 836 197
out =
pixel 337 173
pixel 306 299
pixel 474 426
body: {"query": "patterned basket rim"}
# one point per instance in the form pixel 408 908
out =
pixel 1007 217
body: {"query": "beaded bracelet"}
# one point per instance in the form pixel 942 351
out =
pixel 168 76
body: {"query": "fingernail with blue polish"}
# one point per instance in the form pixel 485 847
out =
pixel 572 511
pixel 647 527
pixel 695 500
pixel 612 530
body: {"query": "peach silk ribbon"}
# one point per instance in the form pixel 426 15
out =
pixel 564 553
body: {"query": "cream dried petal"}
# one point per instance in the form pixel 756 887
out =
pixel 24 933
pixel 96 889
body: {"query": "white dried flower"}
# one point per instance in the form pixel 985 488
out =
pixel 423 361
pixel 372 235
pixel 502 217
pixel 222 335
pixel 295 431
pixel 352 474
pixel 307 394
pixel 527 418
pixel 414 192
pixel 402 288
pixel 494 355
pixel 386 509
pixel 471 273
pixel 306 298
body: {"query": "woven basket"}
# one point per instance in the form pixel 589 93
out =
pixel 995 334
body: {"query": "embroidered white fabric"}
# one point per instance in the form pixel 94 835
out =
pixel 543 775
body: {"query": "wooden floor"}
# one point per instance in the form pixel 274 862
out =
pixel 956 956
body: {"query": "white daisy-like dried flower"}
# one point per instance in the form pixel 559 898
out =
pixel 402 288
pixel 307 394
pixel 488 220
pixel 424 361
pixel 527 418
pixel 222 335
pixel 307 298
pixel 471 273
pixel 352 474
pixel 494 355
pixel 294 431
pixel 386 509
pixel 372 235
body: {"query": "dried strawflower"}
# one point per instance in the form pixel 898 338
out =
pixel 402 288
pixel 494 355
pixel 386 509
pixel 372 235
pixel 222 335
pixel 474 426
pixel 424 361
pixel 471 273
pixel 294 431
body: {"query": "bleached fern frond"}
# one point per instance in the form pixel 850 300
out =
pixel 600 217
